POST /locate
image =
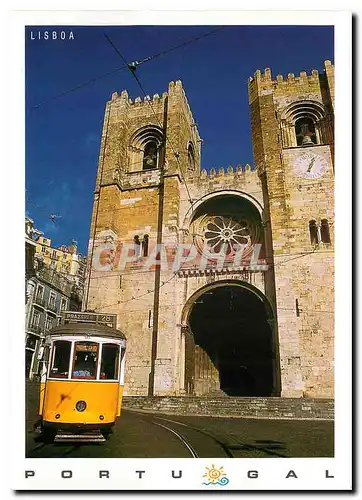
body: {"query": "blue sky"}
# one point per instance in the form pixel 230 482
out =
pixel 63 134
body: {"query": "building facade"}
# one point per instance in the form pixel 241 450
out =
pixel 64 260
pixel 222 281
pixel 50 289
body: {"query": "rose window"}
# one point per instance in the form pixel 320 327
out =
pixel 226 234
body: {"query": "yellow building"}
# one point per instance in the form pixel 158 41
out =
pixel 64 259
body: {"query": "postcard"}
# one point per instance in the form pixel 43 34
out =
pixel 187 321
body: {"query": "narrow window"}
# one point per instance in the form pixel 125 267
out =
pixel 137 246
pixel 110 361
pixel 150 156
pixel 305 132
pixel 145 245
pixel 190 157
pixel 48 322
pixel 52 299
pixel 85 360
pixel 325 235
pixel 36 318
pixel 60 362
pixel 313 230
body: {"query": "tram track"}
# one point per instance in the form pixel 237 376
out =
pixel 180 437
pixel 183 439
pixel 200 431
pixel 198 442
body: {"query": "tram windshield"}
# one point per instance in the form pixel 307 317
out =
pixel 85 360
pixel 60 361
pixel 110 362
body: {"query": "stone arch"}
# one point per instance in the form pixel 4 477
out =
pixel 253 289
pixel 224 192
pixel 312 112
pixel 138 143
pixel 226 222
pixel 194 347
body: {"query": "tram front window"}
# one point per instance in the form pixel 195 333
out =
pixel 85 360
pixel 60 362
pixel 110 362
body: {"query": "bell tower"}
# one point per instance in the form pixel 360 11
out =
pixel 293 145
pixel 148 147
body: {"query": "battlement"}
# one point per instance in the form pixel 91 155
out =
pixel 175 92
pixel 139 101
pixel 262 83
pixel 229 171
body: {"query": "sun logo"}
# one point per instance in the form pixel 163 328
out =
pixel 215 476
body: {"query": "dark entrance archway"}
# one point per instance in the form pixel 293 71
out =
pixel 231 342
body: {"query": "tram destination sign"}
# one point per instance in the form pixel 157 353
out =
pixel 87 317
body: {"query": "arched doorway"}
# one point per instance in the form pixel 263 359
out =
pixel 230 346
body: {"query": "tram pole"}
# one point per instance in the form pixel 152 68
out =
pixel 156 295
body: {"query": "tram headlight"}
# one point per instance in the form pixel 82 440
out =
pixel 81 405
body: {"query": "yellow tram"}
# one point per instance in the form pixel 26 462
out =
pixel 82 378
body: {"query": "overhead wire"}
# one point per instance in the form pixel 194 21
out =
pixel 133 73
pixel 116 70
pixel 302 310
pixel 166 139
pixel 264 261
pixel 129 67
pixel 132 67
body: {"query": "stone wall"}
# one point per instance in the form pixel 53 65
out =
pixel 303 272
pixel 299 281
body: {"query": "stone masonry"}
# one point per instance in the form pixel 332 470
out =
pixel 278 195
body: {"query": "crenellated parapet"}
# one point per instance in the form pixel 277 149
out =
pixel 139 101
pixel 262 83
pixel 239 177
pixel 238 170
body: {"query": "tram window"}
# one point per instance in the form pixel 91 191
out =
pixel 109 365
pixel 85 360
pixel 60 362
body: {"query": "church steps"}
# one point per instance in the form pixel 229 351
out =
pixel 286 408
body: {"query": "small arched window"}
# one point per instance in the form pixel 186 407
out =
pixel 325 235
pixel 305 132
pixel 313 230
pixel 145 245
pixel 150 156
pixel 190 157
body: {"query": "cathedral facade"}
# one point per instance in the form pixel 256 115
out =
pixel 222 281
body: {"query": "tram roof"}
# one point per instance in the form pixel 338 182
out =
pixel 91 329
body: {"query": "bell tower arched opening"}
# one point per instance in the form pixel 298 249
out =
pixel 231 347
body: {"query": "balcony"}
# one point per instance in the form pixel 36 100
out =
pixel 35 329
pixel 39 301
pixel 52 307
